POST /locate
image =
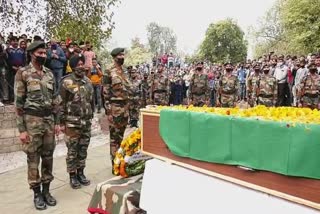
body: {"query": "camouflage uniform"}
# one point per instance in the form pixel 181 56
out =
pixel 199 89
pixel 145 91
pixel 251 83
pixel 77 112
pixel 228 90
pixel 37 113
pixel 265 90
pixel 116 91
pixel 135 100
pixel 160 89
pixel 310 90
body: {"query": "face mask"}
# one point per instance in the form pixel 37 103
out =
pixel 79 72
pixel 257 70
pixel 265 71
pixel 199 69
pixel 120 61
pixel 71 50
pixel 40 60
pixel 228 69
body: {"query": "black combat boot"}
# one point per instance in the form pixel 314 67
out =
pixel 134 123
pixel 38 199
pixel 48 198
pixel 74 182
pixel 82 178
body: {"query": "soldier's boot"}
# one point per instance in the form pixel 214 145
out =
pixel 38 200
pixel 74 182
pixel 134 123
pixel 48 198
pixel 82 178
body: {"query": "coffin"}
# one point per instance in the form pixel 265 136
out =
pixel 300 190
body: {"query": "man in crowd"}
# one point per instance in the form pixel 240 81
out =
pixel 135 99
pixel 95 75
pixel 160 87
pixel 281 74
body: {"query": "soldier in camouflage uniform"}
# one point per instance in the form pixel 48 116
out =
pixel 145 90
pixel 251 82
pixel 37 113
pixel 116 91
pixel 266 89
pixel 77 109
pixel 199 90
pixel 135 99
pixel 310 89
pixel 160 88
pixel 228 87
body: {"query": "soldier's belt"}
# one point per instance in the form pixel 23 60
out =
pixel 312 95
pixel 38 113
pixel 266 95
pixel 159 91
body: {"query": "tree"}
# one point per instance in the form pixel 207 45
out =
pixel 138 53
pixel 78 19
pixel 224 41
pixel 161 39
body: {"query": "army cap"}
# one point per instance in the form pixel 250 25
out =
pixel 116 51
pixel 35 45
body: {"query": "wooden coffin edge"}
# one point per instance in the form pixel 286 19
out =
pixel 154 112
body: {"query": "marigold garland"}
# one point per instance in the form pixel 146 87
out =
pixel 281 114
pixel 128 147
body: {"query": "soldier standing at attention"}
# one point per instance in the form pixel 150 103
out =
pixel 199 87
pixel 37 113
pixel 160 87
pixel 135 99
pixel 77 109
pixel 228 88
pixel 266 89
pixel 116 91
pixel 251 83
pixel 310 89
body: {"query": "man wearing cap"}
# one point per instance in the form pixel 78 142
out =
pixel 37 118
pixel 310 88
pixel 199 87
pixel 160 88
pixel 135 99
pixel 228 87
pixel 116 92
pixel 251 82
pixel 266 88
pixel 77 109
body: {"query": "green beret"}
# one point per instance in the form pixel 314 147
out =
pixel 116 51
pixel 73 62
pixel 35 45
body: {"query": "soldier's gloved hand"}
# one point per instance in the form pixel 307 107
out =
pixel 24 137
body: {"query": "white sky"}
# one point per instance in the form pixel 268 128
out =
pixel 189 19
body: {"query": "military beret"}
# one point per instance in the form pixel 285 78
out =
pixel 75 59
pixel 35 45
pixel 116 51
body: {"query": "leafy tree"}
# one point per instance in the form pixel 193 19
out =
pixel 224 41
pixel 138 53
pixel 161 39
pixel 78 19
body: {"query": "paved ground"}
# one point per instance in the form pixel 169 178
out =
pixel 17 198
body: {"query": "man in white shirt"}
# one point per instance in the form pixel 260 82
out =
pixel 281 73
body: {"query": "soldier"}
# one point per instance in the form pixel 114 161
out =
pixel 310 89
pixel 251 82
pixel 199 87
pixel 145 90
pixel 160 88
pixel 116 92
pixel 228 87
pixel 266 88
pixel 37 115
pixel 77 110
pixel 135 99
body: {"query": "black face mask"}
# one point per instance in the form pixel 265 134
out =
pixel 41 60
pixel 198 68
pixel 228 69
pixel 79 72
pixel 120 61
pixel 265 71
pixel 257 70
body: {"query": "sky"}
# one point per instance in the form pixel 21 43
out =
pixel 189 19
